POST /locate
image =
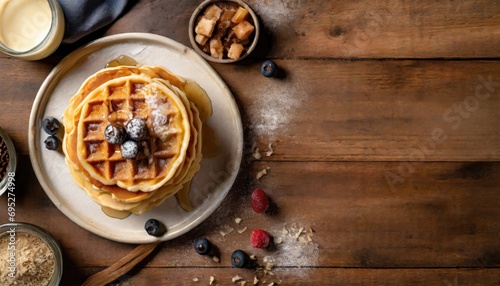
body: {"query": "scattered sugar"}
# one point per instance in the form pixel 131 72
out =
pixel 274 13
pixel 159 119
pixel 296 249
pixel 279 104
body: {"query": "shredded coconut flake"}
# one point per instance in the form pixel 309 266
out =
pixel 226 230
pixel 237 278
pixel 261 173
pixel 256 154
pixel 270 151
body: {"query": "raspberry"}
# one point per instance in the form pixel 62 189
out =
pixel 259 238
pixel 260 201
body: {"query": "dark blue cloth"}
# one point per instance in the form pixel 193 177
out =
pixel 86 16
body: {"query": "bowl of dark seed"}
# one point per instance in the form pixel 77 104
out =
pixel 8 161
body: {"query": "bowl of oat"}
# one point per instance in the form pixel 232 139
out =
pixel 30 256
pixel 8 162
pixel 224 31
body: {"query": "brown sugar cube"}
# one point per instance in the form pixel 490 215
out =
pixel 240 15
pixel 216 48
pixel 235 51
pixel 243 30
pixel 200 39
pixel 213 12
pixel 205 27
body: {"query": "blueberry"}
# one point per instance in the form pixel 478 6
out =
pixel 202 246
pixel 240 259
pixel 268 68
pixel 115 134
pixel 51 143
pixel 50 125
pixel 154 227
pixel 130 149
pixel 136 129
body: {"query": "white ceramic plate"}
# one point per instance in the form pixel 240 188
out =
pixel 209 186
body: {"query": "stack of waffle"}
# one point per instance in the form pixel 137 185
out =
pixel 168 157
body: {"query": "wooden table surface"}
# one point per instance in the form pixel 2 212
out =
pixel 386 144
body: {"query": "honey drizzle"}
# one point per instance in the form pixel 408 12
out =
pixel 122 60
pixel 115 213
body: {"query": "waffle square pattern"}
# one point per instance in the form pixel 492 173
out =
pixel 167 156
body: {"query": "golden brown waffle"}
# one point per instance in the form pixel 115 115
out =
pixel 163 152
pixel 115 199
pixel 171 153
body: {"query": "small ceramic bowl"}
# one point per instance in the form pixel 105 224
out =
pixel 31 30
pixel 12 236
pixel 254 37
pixel 7 149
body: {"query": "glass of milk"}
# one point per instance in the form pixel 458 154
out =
pixel 30 29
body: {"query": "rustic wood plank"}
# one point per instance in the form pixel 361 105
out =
pixel 348 138
pixel 297 276
pixel 340 29
pixel 439 215
pixel 20 82
pixel 372 110
pixel 339 110
pixel 383 29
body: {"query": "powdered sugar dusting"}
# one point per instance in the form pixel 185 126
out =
pixel 295 248
pixel 158 118
pixel 280 100
pixel 274 13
